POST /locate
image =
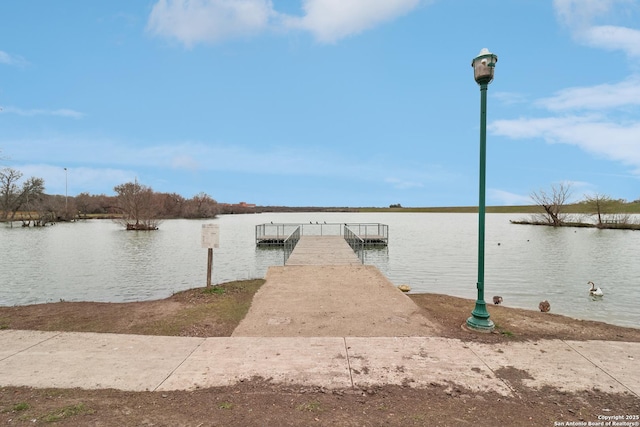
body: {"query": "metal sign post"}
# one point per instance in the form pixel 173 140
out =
pixel 210 240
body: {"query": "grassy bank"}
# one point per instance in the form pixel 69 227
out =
pixel 203 312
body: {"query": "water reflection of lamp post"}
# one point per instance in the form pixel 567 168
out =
pixel 483 67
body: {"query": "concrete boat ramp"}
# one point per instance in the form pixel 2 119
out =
pixel 335 325
pixel 325 291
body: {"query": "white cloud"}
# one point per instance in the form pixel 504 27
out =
pixel 593 134
pixel 100 154
pixel 509 98
pixel 402 184
pixel 190 156
pixel 231 158
pixel 505 198
pixel 331 20
pixel 76 180
pixel 580 13
pixel 195 21
pixel 597 97
pixel 600 119
pixel 579 16
pixel 184 161
pixel 85 179
pixel 62 112
pixel 5 58
pixel 613 38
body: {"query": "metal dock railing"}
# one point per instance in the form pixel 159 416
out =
pixel 275 234
pixel 358 235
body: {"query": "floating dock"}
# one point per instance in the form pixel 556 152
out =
pixel 323 250
pixel 278 234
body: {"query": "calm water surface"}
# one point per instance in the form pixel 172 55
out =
pixel 98 261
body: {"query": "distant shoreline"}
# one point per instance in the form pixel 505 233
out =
pixel 627 208
pixel 575 209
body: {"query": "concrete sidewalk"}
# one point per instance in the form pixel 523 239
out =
pixel 137 362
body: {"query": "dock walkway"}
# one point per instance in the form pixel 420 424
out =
pixel 324 291
pixel 323 250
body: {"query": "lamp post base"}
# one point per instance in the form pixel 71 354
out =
pixel 479 319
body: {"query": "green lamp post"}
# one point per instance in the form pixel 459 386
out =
pixel 483 67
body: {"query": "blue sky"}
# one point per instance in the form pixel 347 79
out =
pixel 322 102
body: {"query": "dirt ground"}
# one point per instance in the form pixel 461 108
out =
pixel 258 402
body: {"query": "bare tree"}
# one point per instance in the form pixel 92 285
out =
pixel 42 210
pixel 605 209
pixel 138 206
pixel 171 204
pixel 97 204
pixel 200 206
pixel 553 203
pixel 14 197
pixel 9 190
pixel 85 204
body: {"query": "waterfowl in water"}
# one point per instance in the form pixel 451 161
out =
pixel 497 300
pixel 595 290
pixel 544 306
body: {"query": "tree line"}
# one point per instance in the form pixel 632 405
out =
pixel 138 207
pixel 135 205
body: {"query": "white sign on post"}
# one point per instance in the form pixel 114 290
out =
pixel 210 236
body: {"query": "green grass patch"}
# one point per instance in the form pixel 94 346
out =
pixel 310 407
pixel 217 290
pixel 503 331
pixel 226 405
pixel 19 407
pixel 66 412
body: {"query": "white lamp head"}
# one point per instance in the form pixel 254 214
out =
pixel 483 66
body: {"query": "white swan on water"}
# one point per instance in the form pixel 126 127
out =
pixel 595 290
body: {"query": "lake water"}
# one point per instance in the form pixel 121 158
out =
pixel 432 252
